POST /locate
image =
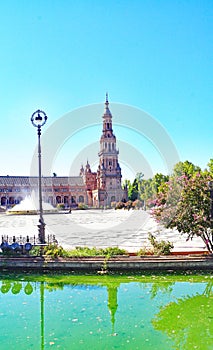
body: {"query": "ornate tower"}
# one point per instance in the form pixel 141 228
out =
pixel 90 181
pixel 109 171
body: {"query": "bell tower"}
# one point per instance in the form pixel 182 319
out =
pixel 109 171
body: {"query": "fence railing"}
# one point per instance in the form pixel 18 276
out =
pixel 23 244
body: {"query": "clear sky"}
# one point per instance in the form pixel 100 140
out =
pixel 61 55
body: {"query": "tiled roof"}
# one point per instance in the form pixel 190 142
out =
pixel 46 181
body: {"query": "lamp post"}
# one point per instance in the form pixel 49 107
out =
pixel 38 119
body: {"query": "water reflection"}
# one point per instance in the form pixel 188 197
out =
pixel 189 320
pixel 149 312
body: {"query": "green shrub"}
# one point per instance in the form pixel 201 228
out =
pixel 112 251
pixel 35 251
pixel 54 251
pixel 145 251
pixel 85 251
pixel 162 247
pixel 60 206
pixel 82 206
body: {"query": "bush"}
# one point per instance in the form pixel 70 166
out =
pixel 54 251
pixel 128 205
pixel 60 206
pixel 137 204
pixel 113 205
pixel 82 206
pixel 35 251
pixel 112 251
pixel 145 251
pixel 162 247
pixel 119 205
pixel 85 251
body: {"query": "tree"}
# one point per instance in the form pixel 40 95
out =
pixel 147 194
pixel 133 191
pixel 167 199
pixel 185 168
pixel 127 185
pixel 210 165
pixel 185 206
pixel 140 178
pixel 158 180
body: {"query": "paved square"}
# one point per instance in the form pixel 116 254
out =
pixel 98 228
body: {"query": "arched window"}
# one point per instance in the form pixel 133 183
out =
pixel 50 200
pixel 19 199
pixel 81 199
pixel 113 199
pixel 73 199
pixel 11 200
pixel 66 199
pixel 58 199
pixel 3 201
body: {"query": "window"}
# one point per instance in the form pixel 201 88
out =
pixel 66 200
pixel 73 199
pixel 58 199
pixel 17 190
pixel 81 199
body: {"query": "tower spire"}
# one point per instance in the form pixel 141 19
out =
pixel 107 111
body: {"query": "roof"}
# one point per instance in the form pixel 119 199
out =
pixel 46 180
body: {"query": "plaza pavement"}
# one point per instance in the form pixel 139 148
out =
pixel 98 228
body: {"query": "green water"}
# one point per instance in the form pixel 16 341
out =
pixel 106 312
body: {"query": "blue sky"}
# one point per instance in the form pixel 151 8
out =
pixel 61 55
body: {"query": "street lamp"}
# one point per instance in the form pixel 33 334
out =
pixel 38 119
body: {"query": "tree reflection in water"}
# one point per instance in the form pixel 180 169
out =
pixel 189 321
pixel 185 322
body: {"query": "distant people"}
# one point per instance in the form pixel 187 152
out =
pixel 70 211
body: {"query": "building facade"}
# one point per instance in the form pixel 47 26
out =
pixel 95 189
